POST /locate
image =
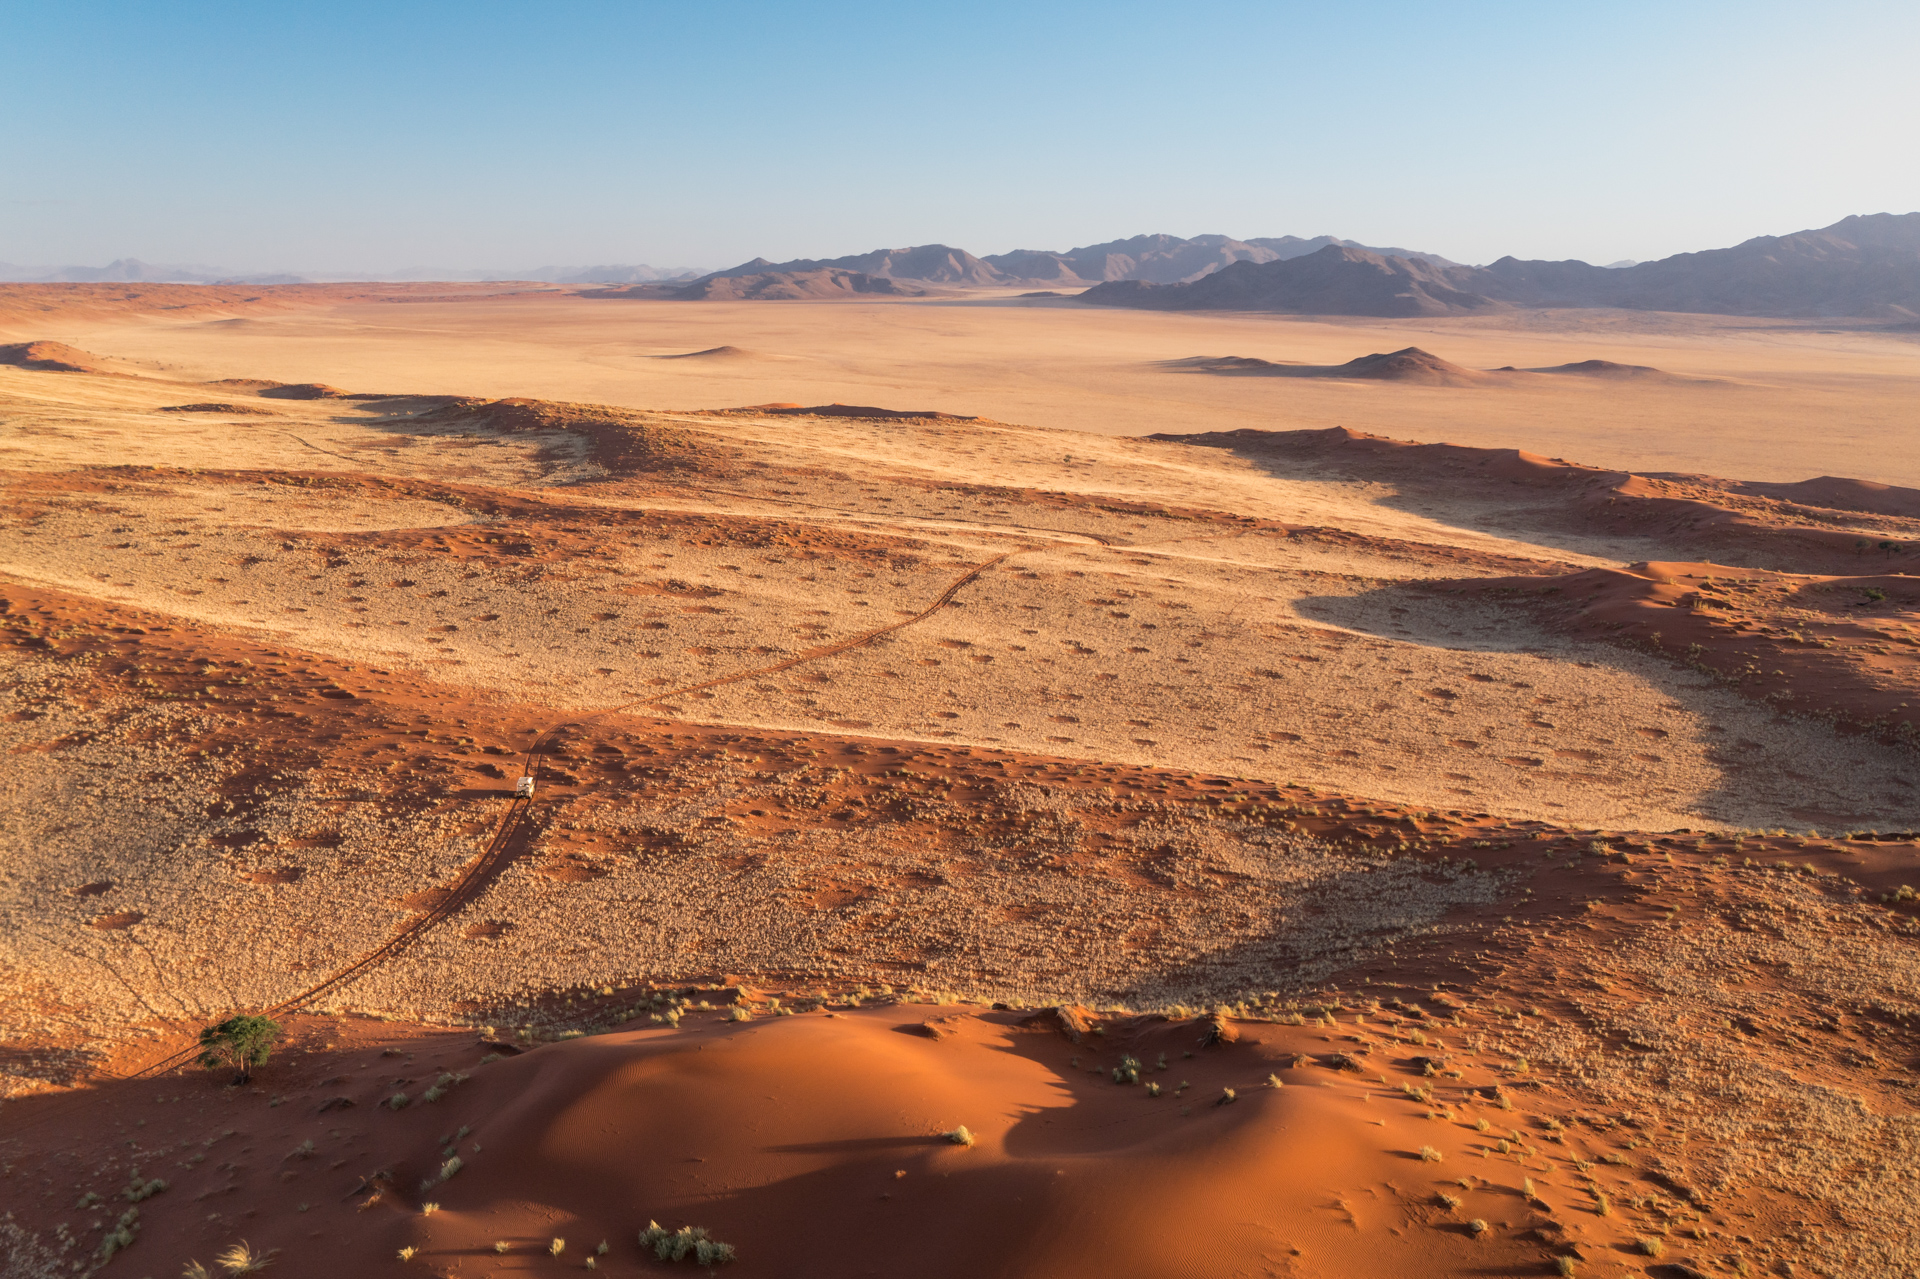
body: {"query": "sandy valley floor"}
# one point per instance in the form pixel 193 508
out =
pixel 1565 810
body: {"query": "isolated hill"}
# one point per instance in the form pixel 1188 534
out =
pixel 1336 280
pixel 1409 364
pixel 1602 368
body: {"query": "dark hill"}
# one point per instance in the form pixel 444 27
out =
pixel 1168 259
pixel 1860 266
pixel 1159 259
pixel 1409 364
pixel 1865 266
pixel 1335 280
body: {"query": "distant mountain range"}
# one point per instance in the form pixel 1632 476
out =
pixel 1162 259
pixel 1158 259
pixel 1860 266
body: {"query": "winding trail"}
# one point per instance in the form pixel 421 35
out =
pixel 483 870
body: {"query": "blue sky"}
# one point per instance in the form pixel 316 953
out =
pixel 343 136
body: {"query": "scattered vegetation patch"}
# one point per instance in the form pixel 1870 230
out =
pixel 687 1242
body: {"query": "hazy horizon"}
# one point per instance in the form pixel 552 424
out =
pixel 376 141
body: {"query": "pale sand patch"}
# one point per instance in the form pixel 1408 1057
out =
pixel 55 422
pixel 1794 399
pixel 1251 656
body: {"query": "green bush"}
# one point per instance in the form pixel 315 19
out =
pixel 240 1042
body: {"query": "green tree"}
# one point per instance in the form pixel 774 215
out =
pixel 241 1042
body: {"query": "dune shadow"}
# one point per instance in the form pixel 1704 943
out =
pixel 1744 740
pixel 1537 516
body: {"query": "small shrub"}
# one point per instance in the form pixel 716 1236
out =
pixel 399 1101
pixel 1651 1247
pixel 240 1043
pixel 1602 1206
pixel 1477 1227
pixel 302 1151
pixel 557 1247
pixel 442 1086
pixel 406 1253
pixel 450 1167
pixel 688 1241
pixel 1563 1266
pixel 959 1136
pixel 1429 1155
pixel 1449 1202
pixel 428 1209
pixel 1274 1081
pixel 121 1236
pixel 140 1190
pixel 1153 1090
pixel 241 1259
pixel 1128 1071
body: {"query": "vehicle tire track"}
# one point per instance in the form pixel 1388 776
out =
pixel 481 873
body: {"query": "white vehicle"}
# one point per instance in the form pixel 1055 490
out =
pixel 523 789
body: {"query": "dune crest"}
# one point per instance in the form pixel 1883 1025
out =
pixel 50 357
pixel 713 353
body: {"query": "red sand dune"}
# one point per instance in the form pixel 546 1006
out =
pixel 758 1132
pixel 50 357
pixel 1810 645
pixel 711 353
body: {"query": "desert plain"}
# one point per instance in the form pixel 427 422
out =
pixel 1018 788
